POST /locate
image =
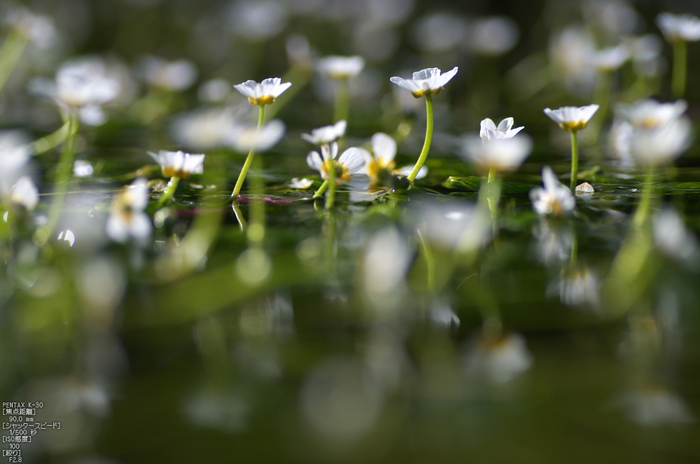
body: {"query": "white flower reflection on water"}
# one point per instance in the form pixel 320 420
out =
pixel 497 361
pixel 341 400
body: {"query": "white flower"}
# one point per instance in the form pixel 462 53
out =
pixel 679 28
pixel 168 75
pixel 384 151
pixel 425 82
pixel 351 166
pixel 326 134
pixel 662 145
pixel 650 114
pixel 341 67
pixel 554 198
pixel 498 361
pixel 179 163
pixel 297 183
pixel 611 59
pixel 82 85
pixel 570 52
pixel 127 218
pixel 489 131
pixel 38 29
pixel 439 32
pixel 500 154
pixel 24 193
pixel 493 36
pixel 263 93
pixel 13 160
pixel 204 128
pixel 572 118
pixel 244 138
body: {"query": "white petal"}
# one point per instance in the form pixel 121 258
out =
pixel 384 148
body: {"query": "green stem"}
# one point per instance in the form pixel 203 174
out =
pixel 256 229
pixel 574 251
pixel 330 201
pixel 52 140
pixel 680 68
pixel 11 51
pixel 239 216
pixel 62 182
pixel 574 159
pixel 429 262
pixel 342 98
pixel 321 190
pixel 249 159
pixel 169 192
pixel 642 213
pixel 428 138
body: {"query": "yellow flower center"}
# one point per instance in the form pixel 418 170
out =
pixel 573 126
pixel 260 101
pixel 424 92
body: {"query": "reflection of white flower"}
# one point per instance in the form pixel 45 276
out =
pixel 498 361
pixel 127 218
pixel 554 199
pixel 572 118
pixel 179 163
pixel 425 82
pixel 351 166
pixel 454 226
pixel 500 154
pixel 406 171
pixel 300 183
pixel 489 130
pixel 577 287
pixel 24 193
pixel 326 134
pixel 341 67
pixel 245 138
pixel 656 406
pixel 679 28
pixel 554 242
pixel 671 235
pixel 263 93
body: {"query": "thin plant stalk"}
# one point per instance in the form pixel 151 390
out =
pixel 249 159
pixel 62 182
pixel 52 140
pixel 11 52
pixel 330 201
pixel 428 138
pixel 680 68
pixel 256 228
pixel 169 192
pixel 493 194
pixel 321 190
pixel 640 217
pixel 429 257
pixel 574 160
pixel 342 101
